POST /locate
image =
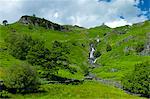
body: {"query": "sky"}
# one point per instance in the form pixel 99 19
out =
pixel 85 13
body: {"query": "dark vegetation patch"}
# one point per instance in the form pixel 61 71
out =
pixel 24 78
pixel 138 80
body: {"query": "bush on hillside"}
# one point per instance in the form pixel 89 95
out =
pixel 59 54
pixel 30 27
pixel 52 59
pixel 108 48
pixel 21 78
pixel 4 94
pixel 37 54
pixel 138 81
pixel 19 45
pixel 139 48
pixel 97 54
pixel 34 51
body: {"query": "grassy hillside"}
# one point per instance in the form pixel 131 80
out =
pixel 88 90
pixel 127 47
pixel 124 54
pixel 78 56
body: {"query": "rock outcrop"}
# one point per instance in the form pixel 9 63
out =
pixel 32 20
pixel 146 51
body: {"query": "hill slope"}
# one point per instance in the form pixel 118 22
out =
pixel 116 51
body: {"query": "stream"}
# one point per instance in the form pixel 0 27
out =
pixel 90 76
pixel 92 61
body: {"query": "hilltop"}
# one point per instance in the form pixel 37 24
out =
pixel 45 45
pixel 32 20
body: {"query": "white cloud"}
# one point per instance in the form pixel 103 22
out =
pixel 87 13
pixel 10 9
pixel 56 15
pixel 117 23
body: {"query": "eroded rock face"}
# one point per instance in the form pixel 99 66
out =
pixel 31 20
pixel 146 50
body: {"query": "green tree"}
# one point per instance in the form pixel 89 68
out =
pixel 60 54
pixel 21 78
pixel 37 54
pixel 5 22
pixel 52 60
pixel 139 80
pixel 19 45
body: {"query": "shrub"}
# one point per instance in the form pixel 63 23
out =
pixel 139 48
pixel 97 54
pixel 52 59
pixel 138 81
pixel 30 27
pixel 19 45
pixel 21 78
pixel 59 55
pixel 4 94
pixel 108 48
pixel 37 54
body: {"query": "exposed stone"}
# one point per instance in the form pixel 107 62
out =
pixel 31 20
pixel 146 51
pixel 125 40
pixel 89 77
pixel 128 38
pixel 113 70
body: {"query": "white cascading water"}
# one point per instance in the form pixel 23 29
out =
pixel 92 59
pixel 92 52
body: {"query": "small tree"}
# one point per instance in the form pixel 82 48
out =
pixel 21 78
pixel 5 22
pixel 34 15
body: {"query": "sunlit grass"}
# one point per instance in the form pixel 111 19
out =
pixel 88 90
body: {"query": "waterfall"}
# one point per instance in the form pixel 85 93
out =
pixel 91 56
pixel 92 59
pixel 92 52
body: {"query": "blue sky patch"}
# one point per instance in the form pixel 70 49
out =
pixel 105 0
pixel 86 13
pixel 144 5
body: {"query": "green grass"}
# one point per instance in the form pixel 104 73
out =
pixel 123 66
pixel 78 41
pixel 117 58
pixel 78 56
pixel 87 90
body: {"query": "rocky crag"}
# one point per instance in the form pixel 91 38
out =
pixel 32 20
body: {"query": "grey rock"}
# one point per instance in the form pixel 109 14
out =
pixel 146 51
pixel 31 20
pixel 113 70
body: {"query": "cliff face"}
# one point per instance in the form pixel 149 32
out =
pixel 146 50
pixel 31 20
